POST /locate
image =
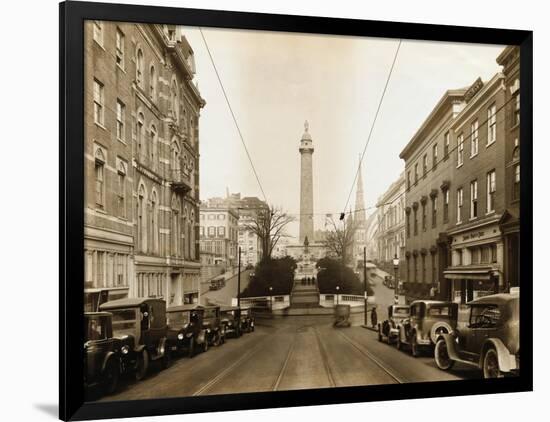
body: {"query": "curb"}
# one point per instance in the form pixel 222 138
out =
pixel 366 327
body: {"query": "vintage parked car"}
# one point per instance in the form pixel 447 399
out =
pixel 141 325
pixel 489 341
pixel 231 320
pixel 247 320
pixel 185 331
pixel 102 352
pixel 388 282
pixel 215 331
pixel 388 328
pixel 428 319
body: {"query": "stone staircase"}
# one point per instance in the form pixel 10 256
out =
pixel 304 296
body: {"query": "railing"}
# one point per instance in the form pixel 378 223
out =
pixel 268 302
pixel 330 300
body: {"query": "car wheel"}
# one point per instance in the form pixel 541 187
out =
pixel 166 358
pixel 142 365
pixel 205 344
pixel 490 365
pixel 414 346
pixel 191 347
pixel 441 356
pixel 380 334
pixel 217 339
pixel 111 376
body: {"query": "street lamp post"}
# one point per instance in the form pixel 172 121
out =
pixel 396 281
pixel 365 279
pixel 239 280
pixel 271 298
pixel 337 295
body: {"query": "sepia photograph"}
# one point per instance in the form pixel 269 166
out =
pixel 276 211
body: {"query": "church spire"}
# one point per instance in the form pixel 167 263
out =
pixel 360 214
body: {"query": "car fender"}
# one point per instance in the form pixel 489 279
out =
pixel 452 346
pixel 506 360
pixel 110 355
pixel 201 338
pixel 437 326
pixel 139 348
pixel 162 347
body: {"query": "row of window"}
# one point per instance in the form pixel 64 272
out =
pixel 106 269
pixel 212 231
pixel 176 105
pixel 491 187
pixel 474 146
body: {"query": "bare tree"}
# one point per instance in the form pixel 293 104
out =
pixel 269 225
pixel 339 238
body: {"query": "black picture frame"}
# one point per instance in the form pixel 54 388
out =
pixel 71 127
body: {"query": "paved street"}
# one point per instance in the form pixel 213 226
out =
pixel 287 354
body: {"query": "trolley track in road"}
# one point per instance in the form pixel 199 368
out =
pixel 324 358
pixel 224 373
pixel 374 359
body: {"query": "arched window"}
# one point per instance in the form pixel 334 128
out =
pixel 175 227
pixel 152 83
pixel 192 236
pixel 174 100
pixel 142 218
pixel 139 67
pixel 140 137
pixel 153 145
pixel 175 162
pixel 185 233
pixel 154 223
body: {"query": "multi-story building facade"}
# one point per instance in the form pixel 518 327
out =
pixel 478 193
pixel 391 223
pixel 462 224
pixel 509 60
pixel 218 233
pixel 429 167
pixel 142 175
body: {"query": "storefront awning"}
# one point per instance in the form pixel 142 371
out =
pixel 469 274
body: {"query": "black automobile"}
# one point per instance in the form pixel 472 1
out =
pixel 231 320
pixel 247 320
pixel 102 352
pixel 186 334
pixel 140 325
pixel 211 323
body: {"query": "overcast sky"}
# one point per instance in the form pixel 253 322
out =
pixel 275 81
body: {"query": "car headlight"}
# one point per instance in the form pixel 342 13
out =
pixel 180 336
pixel 208 330
pixel 125 350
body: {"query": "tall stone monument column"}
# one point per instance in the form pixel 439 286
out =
pixel 306 186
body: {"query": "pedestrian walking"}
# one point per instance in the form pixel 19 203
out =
pixel 373 317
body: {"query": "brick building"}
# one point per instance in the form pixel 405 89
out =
pixel 391 223
pixel 429 167
pixel 477 190
pixel 218 233
pixel 509 60
pixel 141 153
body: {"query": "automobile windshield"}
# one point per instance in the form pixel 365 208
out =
pixel 485 316
pixel 95 329
pixel 400 312
pixel 124 322
pixel 178 319
pixel 244 312
pixel 229 314
pixel 439 311
pixel 209 314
